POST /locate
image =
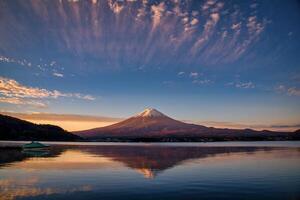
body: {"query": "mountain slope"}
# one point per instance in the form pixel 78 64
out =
pixel 153 124
pixel 16 129
pixel 148 123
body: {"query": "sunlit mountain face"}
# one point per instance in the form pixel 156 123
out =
pixel 234 63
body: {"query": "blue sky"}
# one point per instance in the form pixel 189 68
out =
pixel 226 61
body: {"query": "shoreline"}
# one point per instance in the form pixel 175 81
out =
pixel 18 144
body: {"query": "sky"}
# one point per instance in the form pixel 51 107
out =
pixel 87 63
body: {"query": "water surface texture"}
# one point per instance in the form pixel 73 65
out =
pixel 153 171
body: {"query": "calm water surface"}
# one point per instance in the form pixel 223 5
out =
pixel 235 170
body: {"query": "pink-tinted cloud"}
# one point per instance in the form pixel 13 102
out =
pixel 157 11
pixel 13 92
pixel 20 101
pixel 144 31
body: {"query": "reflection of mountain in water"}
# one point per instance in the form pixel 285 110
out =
pixel 152 160
pixel 148 160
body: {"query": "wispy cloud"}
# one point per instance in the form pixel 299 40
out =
pixel 206 30
pixel 208 4
pixel 22 62
pixel 194 74
pixel 293 91
pixel 115 6
pixel 11 88
pixel 245 85
pixel 58 74
pixel 209 28
pixel 202 82
pixel 180 73
pixel 241 84
pixel 157 11
pixel 81 96
pixel 13 92
pixel 20 101
pixel 290 91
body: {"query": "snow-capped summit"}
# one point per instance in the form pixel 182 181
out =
pixel 150 112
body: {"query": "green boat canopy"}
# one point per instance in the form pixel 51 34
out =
pixel 35 145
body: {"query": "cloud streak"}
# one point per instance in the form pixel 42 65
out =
pixel 246 85
pixel 58 74
pixel 13 92
pixel 61 117
pixel 135 32
pixel 20 101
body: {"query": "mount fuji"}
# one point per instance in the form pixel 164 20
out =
pixel 150 122
pixel 152 125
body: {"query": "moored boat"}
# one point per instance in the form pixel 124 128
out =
pixel 35 146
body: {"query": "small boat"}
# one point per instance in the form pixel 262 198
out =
pixel 35 146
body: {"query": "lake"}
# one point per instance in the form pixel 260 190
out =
pixel 221 170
